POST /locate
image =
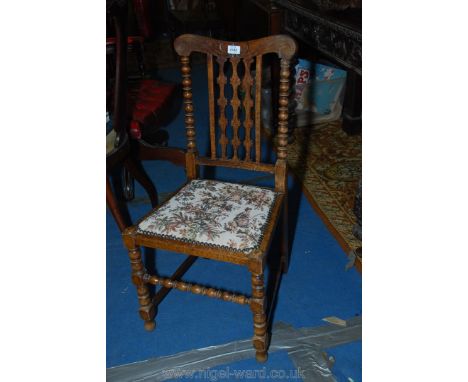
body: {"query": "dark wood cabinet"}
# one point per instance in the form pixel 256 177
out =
pixel 326 29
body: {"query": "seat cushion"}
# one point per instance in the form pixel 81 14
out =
pixel 212 213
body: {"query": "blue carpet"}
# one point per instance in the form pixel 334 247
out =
pixel 348 360
pixel 316 285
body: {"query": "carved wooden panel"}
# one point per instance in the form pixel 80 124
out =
pixel 236 110
pixel 239 112
pixel 335 39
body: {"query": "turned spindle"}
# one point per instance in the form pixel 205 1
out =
pixel 257 306
pixel 283 110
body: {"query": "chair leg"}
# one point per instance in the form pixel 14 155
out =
pixel 257 305
pixel 113 205
pixel 284 246
pixel 136 169
pixel 128 184
pixel 147 309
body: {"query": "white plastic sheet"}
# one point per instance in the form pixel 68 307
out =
pixel 304 346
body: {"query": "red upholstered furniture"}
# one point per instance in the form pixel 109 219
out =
pixel 148 108
pixel 148 102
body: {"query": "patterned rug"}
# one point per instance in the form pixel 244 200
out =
pixel 328 163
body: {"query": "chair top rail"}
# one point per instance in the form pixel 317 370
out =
pixel 282 45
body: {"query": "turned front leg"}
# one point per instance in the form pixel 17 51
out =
pixel 257 305
pixel 147 309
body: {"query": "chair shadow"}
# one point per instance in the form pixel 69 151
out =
pixel 274 274
pixel 150 265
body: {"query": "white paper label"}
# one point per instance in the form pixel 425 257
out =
pixel 233 49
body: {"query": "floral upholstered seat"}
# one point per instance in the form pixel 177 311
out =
pixel 217 214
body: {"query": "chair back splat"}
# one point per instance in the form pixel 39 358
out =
pixel 234 85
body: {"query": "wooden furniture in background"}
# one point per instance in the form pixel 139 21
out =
pixel 138 28
pixel 329 29
pixel 118 154
pixel 123 153
pixel 217 220
pixel 332 28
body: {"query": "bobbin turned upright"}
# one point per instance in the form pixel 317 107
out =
pixel 222 221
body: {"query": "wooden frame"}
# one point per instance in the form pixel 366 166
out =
pixel 121 155
pixel 246 53
pixel 127 153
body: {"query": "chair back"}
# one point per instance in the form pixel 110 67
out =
pixel 234 86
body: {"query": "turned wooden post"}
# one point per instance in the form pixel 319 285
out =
pixel 283 110
pixel 281 181
pixel 197 289
pixel 147 309
pixel 281 164
pixel 222 103
pixel 257 305
pixel 189 117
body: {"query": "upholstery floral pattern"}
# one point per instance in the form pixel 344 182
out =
pixel 226 215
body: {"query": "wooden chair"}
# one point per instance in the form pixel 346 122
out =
pixel 218 220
